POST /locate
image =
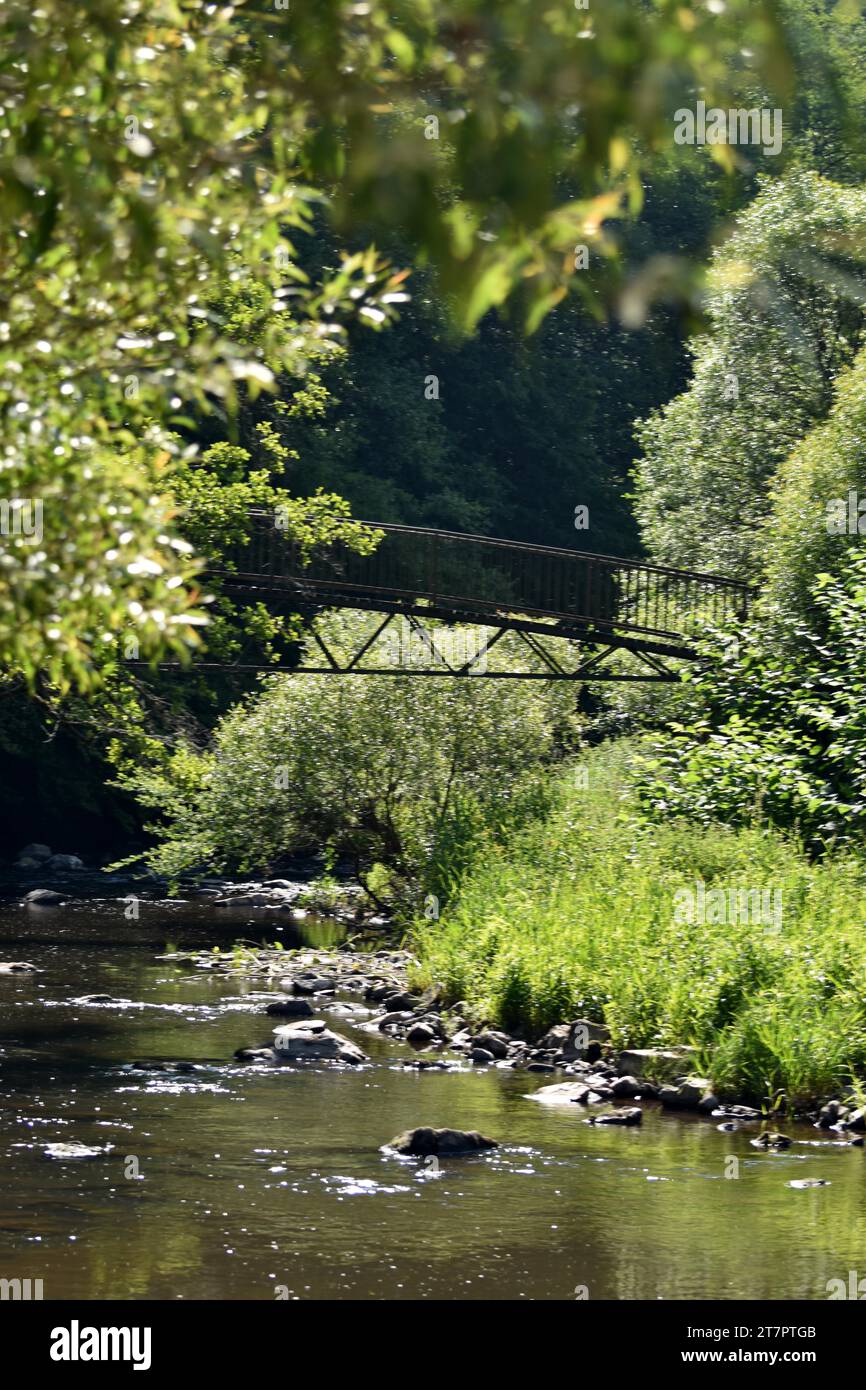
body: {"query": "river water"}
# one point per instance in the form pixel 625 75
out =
pixel 258 1183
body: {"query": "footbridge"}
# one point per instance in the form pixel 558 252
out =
pixel 576 612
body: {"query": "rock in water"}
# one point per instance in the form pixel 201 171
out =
pixel 291 1008
pixel 631 1116
pixel 311 1040
pixel 44 897
pixel 420 1143
pixel 256 1054
pixel 18 967
pixel 588 1092
pixel 76 1150
pixel 767 1140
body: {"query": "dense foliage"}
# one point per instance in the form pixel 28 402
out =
pixel 150 151
pixel 576 917
pixel 786 315
pixel 397 771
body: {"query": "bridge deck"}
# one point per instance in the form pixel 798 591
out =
pixel 476 579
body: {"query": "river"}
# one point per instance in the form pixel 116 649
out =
pixel 257 1183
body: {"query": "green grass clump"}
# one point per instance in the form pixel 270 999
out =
pixel 574 916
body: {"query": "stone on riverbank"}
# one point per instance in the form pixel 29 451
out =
pixel 421 1143
pixel 18 967
pixel 311 1040
pixel 421 1035
pixel 626 1087
pixel 664 1064
pixel 833 1113
pixel 493 1042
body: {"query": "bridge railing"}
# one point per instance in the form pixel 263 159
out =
pixel 479 575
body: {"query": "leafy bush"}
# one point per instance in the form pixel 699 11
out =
pixel 397 770
pixel 780 735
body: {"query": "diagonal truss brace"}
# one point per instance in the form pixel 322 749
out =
pixel 593 667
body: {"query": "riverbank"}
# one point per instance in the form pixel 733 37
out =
pixel 583 1066
pixel 730 942
pixel 727 948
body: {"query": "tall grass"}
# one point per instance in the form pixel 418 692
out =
pixel 573 916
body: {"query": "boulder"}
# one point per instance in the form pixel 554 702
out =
pixel 585 1040
pixel 377 993
pixel 494 1043
pixel 37 852
pixel 626 1087
pixel 480 1057
pixel 290 1008
pixel 694 1093
pixel 661 1063
pixel 420 1143
pixel 18 967
pixel 831 1114
pixel 63 863
pixel 311 1040
pixel 631 1116
pixel 573 1092
pixel 555 1038
pixel 44 897
pixel 398 1001
pixel 313 984
pixel 421 1035
pixel 856 1121
pixel 393 1020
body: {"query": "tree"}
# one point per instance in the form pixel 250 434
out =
pixel 380 767
pixel 786 314
pixel 150 150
